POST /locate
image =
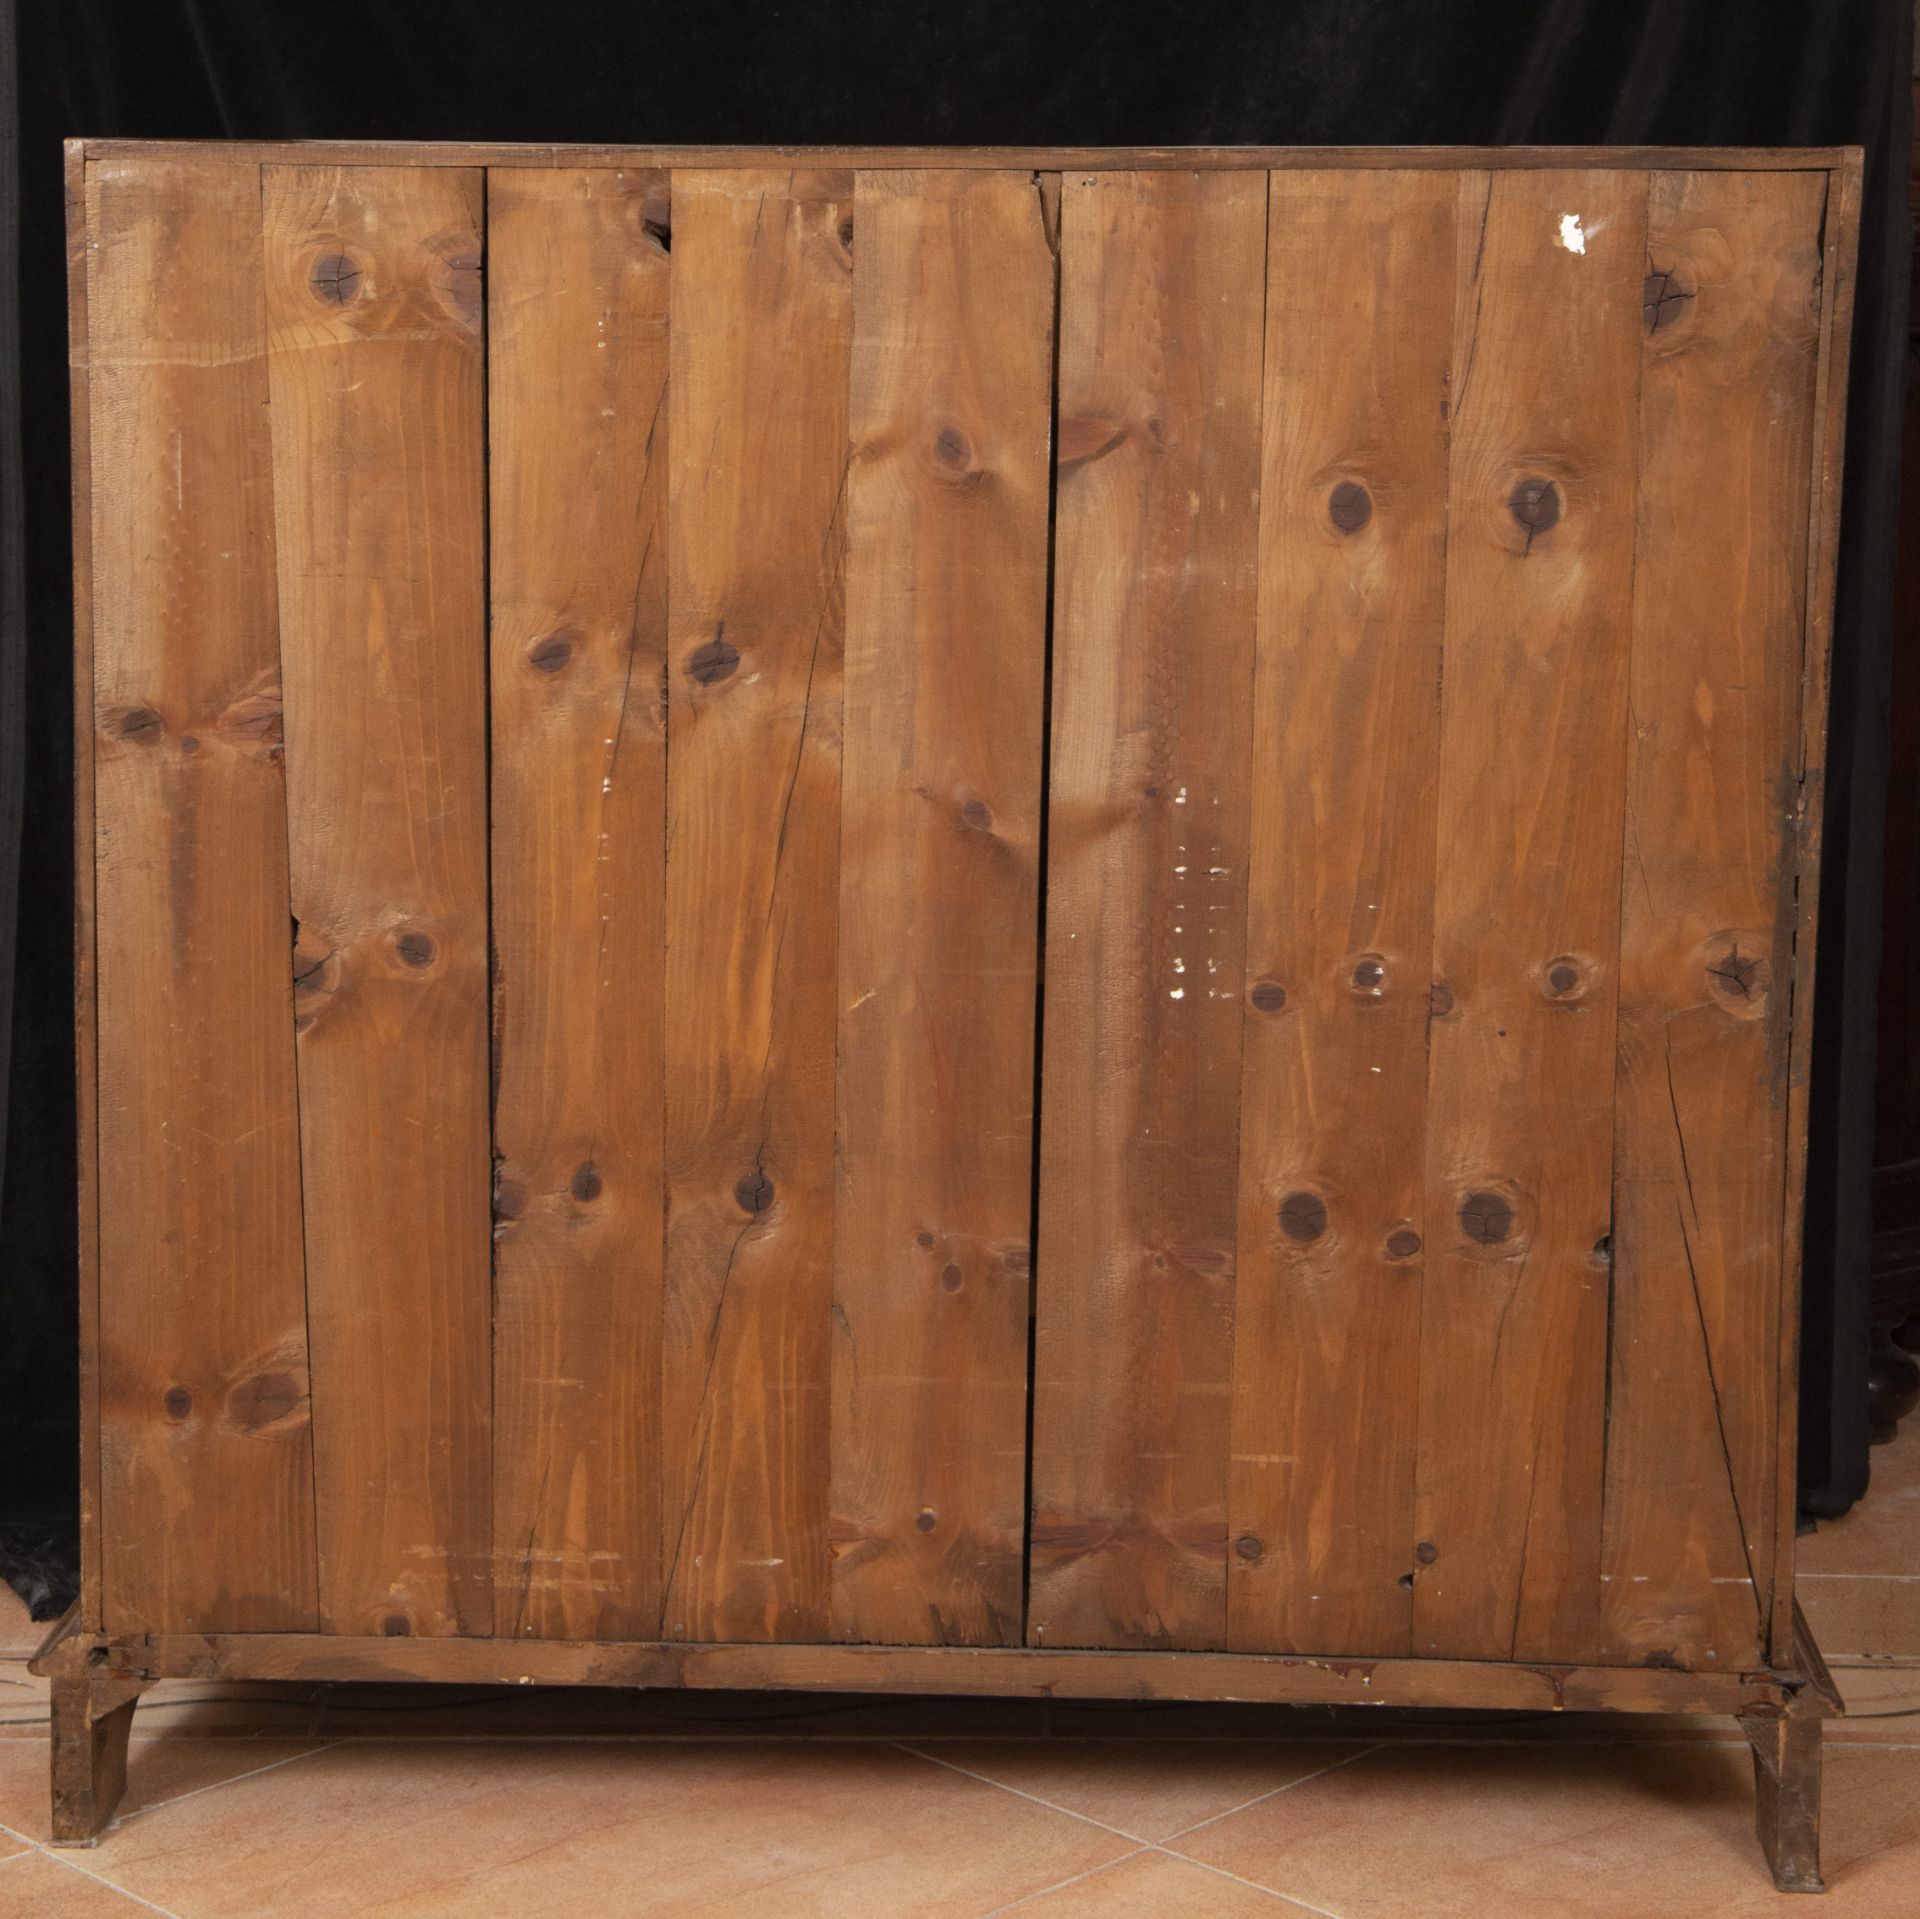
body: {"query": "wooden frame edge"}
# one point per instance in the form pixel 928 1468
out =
pixel 86 1051
pixel 1268 1678
pixel 432 153
pixel 1842 238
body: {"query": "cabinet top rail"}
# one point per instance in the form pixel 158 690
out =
pixel 370 153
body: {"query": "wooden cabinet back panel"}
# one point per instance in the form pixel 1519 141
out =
pixel 606 680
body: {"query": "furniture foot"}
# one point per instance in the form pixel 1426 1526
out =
pixel 92 1716
pixel 1786 1777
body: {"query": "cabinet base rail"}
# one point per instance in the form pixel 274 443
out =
pixel 98 1679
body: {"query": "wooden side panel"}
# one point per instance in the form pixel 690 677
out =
pixel 946 645
pixel 374 316
pixel 761 325
pixel 1333 1209
pixel 1527 914
pixel 577 434
pixel 206 1449
pixel 1161 293
pixel 1726 412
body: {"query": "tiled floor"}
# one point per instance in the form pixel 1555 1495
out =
pixel 302 1803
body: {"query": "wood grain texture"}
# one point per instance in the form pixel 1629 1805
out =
pixel 374 319
pixel 86 1048
pixel 577 284
pixel 946 659
pixel 1332 1206
pixel 1526 915
pixel 1162 286
pixel 762 320
pixel 207 1487
pixel 1726 412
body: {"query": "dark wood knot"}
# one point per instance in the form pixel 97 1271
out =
pixel 1486 1218
pixel 586 1185
pixel 1737 975
pixel 926 1519
pixel 1349 506
pixel 1249 1547
pixel 1403 1243
pixel 552 651
pixel 1268 996
pixel 396 1625
pixel 713 661
pixel 1440 999
pixel 335 279
pixel 142 725
pixel 1303 1216
pixel 1369 974
pixel 414 948
pixel 951 1277
pixel 264 1400
pixel 509 1197
pixel 977 814
pixel 1426 1552
pixel 923 1239
pixel 1535 503
pixel 177 1401
pixel 952 450
pixel 1661 298
pixel 1564 976
pixel 754 1191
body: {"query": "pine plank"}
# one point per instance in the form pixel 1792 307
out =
pixel 947 505
pixel 761 325
pixel 207 1463
pixel 1162 285
pixel 1526 914
pixel 1333 1209
pixel 1726 413
pixel 374 323
pixel 577 290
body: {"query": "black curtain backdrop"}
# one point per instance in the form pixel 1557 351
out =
pixel 1678 72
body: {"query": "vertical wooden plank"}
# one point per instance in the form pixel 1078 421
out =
pixel 1161 294
pixel 1360 291
pixel 1840 228
pixel 762 319
pixel 374 317
pixel 577 370
pixel 1730 326
pixel 207 1491
pixel 947 501
pixel 85 974
pixel 1527 915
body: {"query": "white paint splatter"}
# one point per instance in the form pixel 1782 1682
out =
pixel 1573 235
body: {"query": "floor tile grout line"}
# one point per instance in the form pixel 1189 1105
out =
pixel 1060 1885
pixel 27 1850
pixel 132 1898
pixel 1033 1798
pixel 1260 1798
pixel 253 1772
pixel 1272 1892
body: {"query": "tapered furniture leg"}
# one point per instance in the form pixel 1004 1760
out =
pixel 92 1716
pixel 1786 1777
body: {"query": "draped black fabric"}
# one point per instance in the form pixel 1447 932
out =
pixel 1696 72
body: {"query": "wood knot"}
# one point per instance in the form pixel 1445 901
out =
pixel 586 1184
pixel 1486 1218
pixel 335 279
pixel 713 662
pixel 415 948
pixel 177 1401
pixel 1535 503
pixel 951 1277
pixel 926 1519
pixel 977 814
pixel 1566 977
pixel 1249 1547
pixel 1370 975
pixel 140 724
pixel 923 1239
pixel 264 1400
pixel 509 1197
pixel 754 1192
pixel 953 453
pixel 1017 1259
pixel 1303 1216
pixel 1349 506
pixel 1661 299
pixel 1268 996
pixel 1440 999
pixel 1426 1552
pixel 1738 974
pixel 396 1625
pixel 551 652
pixel 1403 1243
pixel 844 231
pixel 456 281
